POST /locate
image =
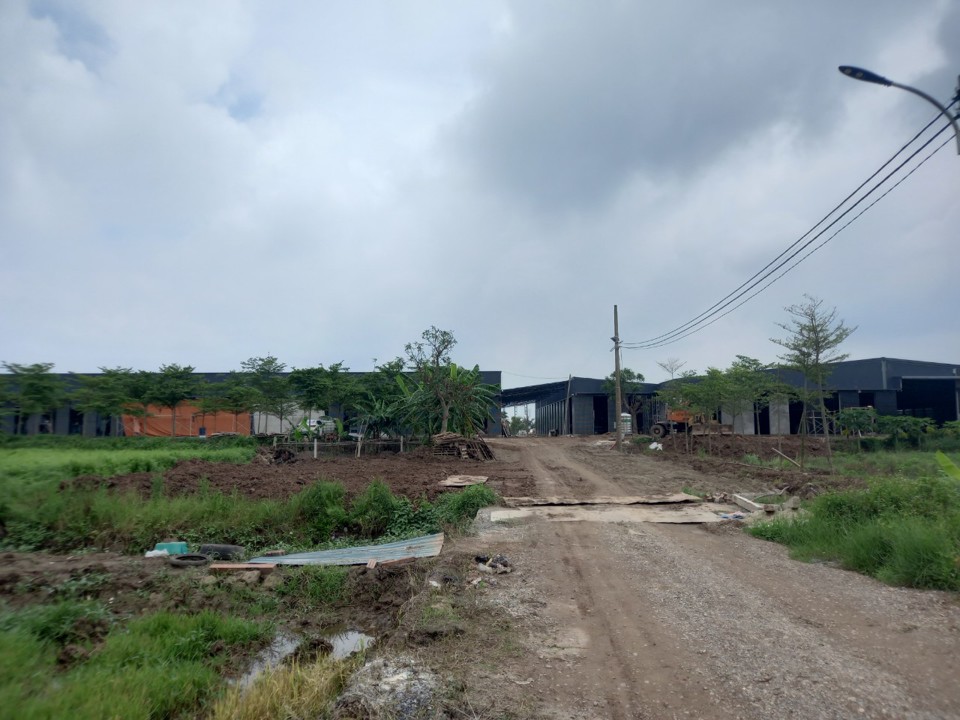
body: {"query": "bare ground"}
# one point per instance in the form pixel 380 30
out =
pixel 656 621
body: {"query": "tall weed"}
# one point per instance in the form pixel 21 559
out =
pixel 904 532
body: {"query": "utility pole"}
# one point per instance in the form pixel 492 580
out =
pixel 616 376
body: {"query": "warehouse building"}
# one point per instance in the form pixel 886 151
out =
pixel 582 406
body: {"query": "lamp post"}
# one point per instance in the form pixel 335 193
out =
pixel 871 77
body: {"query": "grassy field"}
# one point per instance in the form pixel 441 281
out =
pixel 73 655
pixel 903 527
pixel 38 513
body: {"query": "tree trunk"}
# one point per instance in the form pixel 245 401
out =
pixel 445 417
pixel 826 429
pixel 803 431
pixel 173 421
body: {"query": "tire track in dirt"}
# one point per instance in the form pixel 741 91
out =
pixel 654 621
pixel 604 657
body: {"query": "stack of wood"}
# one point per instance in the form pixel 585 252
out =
pixel 455 445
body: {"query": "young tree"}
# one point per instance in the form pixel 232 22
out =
pixel 671 365
pixel 857 420
pixel 706 396
pixel 750 388
pixel 172 385
pixel 237 396
pixel 111 393
pixel 519 424
pixel 811 348
pixel 443 390
pixel 32 390
pixel 266 376
pixel 673 397
pixel 631 385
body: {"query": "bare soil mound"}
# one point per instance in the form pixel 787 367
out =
pixel 411 475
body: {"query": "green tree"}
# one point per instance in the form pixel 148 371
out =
pixel 439 382
pixel 111 393
pixel 450 398
pixel 266 375
pixel 672 396
pixel 750 386
pixel 811 348
pixel 706 396
pixel 237 396
pixel 857 421
pixel 32 390
pixel 519 424
pixel 631 387
pixel 172 385
pixel 907 426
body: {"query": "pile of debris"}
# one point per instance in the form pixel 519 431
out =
pixel 455 445
pixel 275 455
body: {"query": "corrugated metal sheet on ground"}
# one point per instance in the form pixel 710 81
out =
pixel 426 546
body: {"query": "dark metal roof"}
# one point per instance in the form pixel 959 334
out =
pixel 870 374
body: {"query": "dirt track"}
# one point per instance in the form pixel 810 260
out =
pixel 658 621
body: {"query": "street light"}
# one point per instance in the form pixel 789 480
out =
pixel 871 77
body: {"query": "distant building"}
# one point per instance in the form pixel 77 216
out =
pixel 581 406
pixel 190 422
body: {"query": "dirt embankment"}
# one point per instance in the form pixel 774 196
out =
pixel 412 475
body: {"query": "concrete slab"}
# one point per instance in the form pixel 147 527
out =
pixel 602 500
pixel 701 513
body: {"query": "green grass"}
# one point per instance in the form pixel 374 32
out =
pixel 38 514
pixel 901 531
pixel 160 666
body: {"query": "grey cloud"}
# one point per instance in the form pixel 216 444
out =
pixel 581 100
pixel 79 37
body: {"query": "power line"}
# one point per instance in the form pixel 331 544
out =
pixel 811 252
pixel 701 321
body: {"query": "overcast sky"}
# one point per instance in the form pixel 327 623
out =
pixel 203 182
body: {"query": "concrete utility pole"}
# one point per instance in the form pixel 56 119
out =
pixel 616 376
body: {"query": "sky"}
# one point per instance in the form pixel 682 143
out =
pixel 205 182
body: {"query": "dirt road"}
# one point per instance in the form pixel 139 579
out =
pixel 674 621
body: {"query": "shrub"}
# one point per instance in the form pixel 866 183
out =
pixel 318 585
pixel 904 532
pixel 372 511
pixel 321 507
pixel 458 508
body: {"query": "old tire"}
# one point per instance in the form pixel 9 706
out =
pixel 185 561
pixel 222 552
pixel 658 431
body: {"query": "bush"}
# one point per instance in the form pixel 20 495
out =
pixel 458 508
pixel 904 532
pixel 321 507
pixel 373 510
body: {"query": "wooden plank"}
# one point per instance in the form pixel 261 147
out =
pixel 750 505
pixel 372 564
pixel 787 458
pixel 263 568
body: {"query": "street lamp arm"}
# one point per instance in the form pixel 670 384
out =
pixel 871 77
pixel 936 103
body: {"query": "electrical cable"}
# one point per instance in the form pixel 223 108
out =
pixel 811 252
pixel 779 261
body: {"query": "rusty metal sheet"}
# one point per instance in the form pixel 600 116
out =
pixel 426 546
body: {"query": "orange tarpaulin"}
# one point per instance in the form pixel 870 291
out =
pixel 189 422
